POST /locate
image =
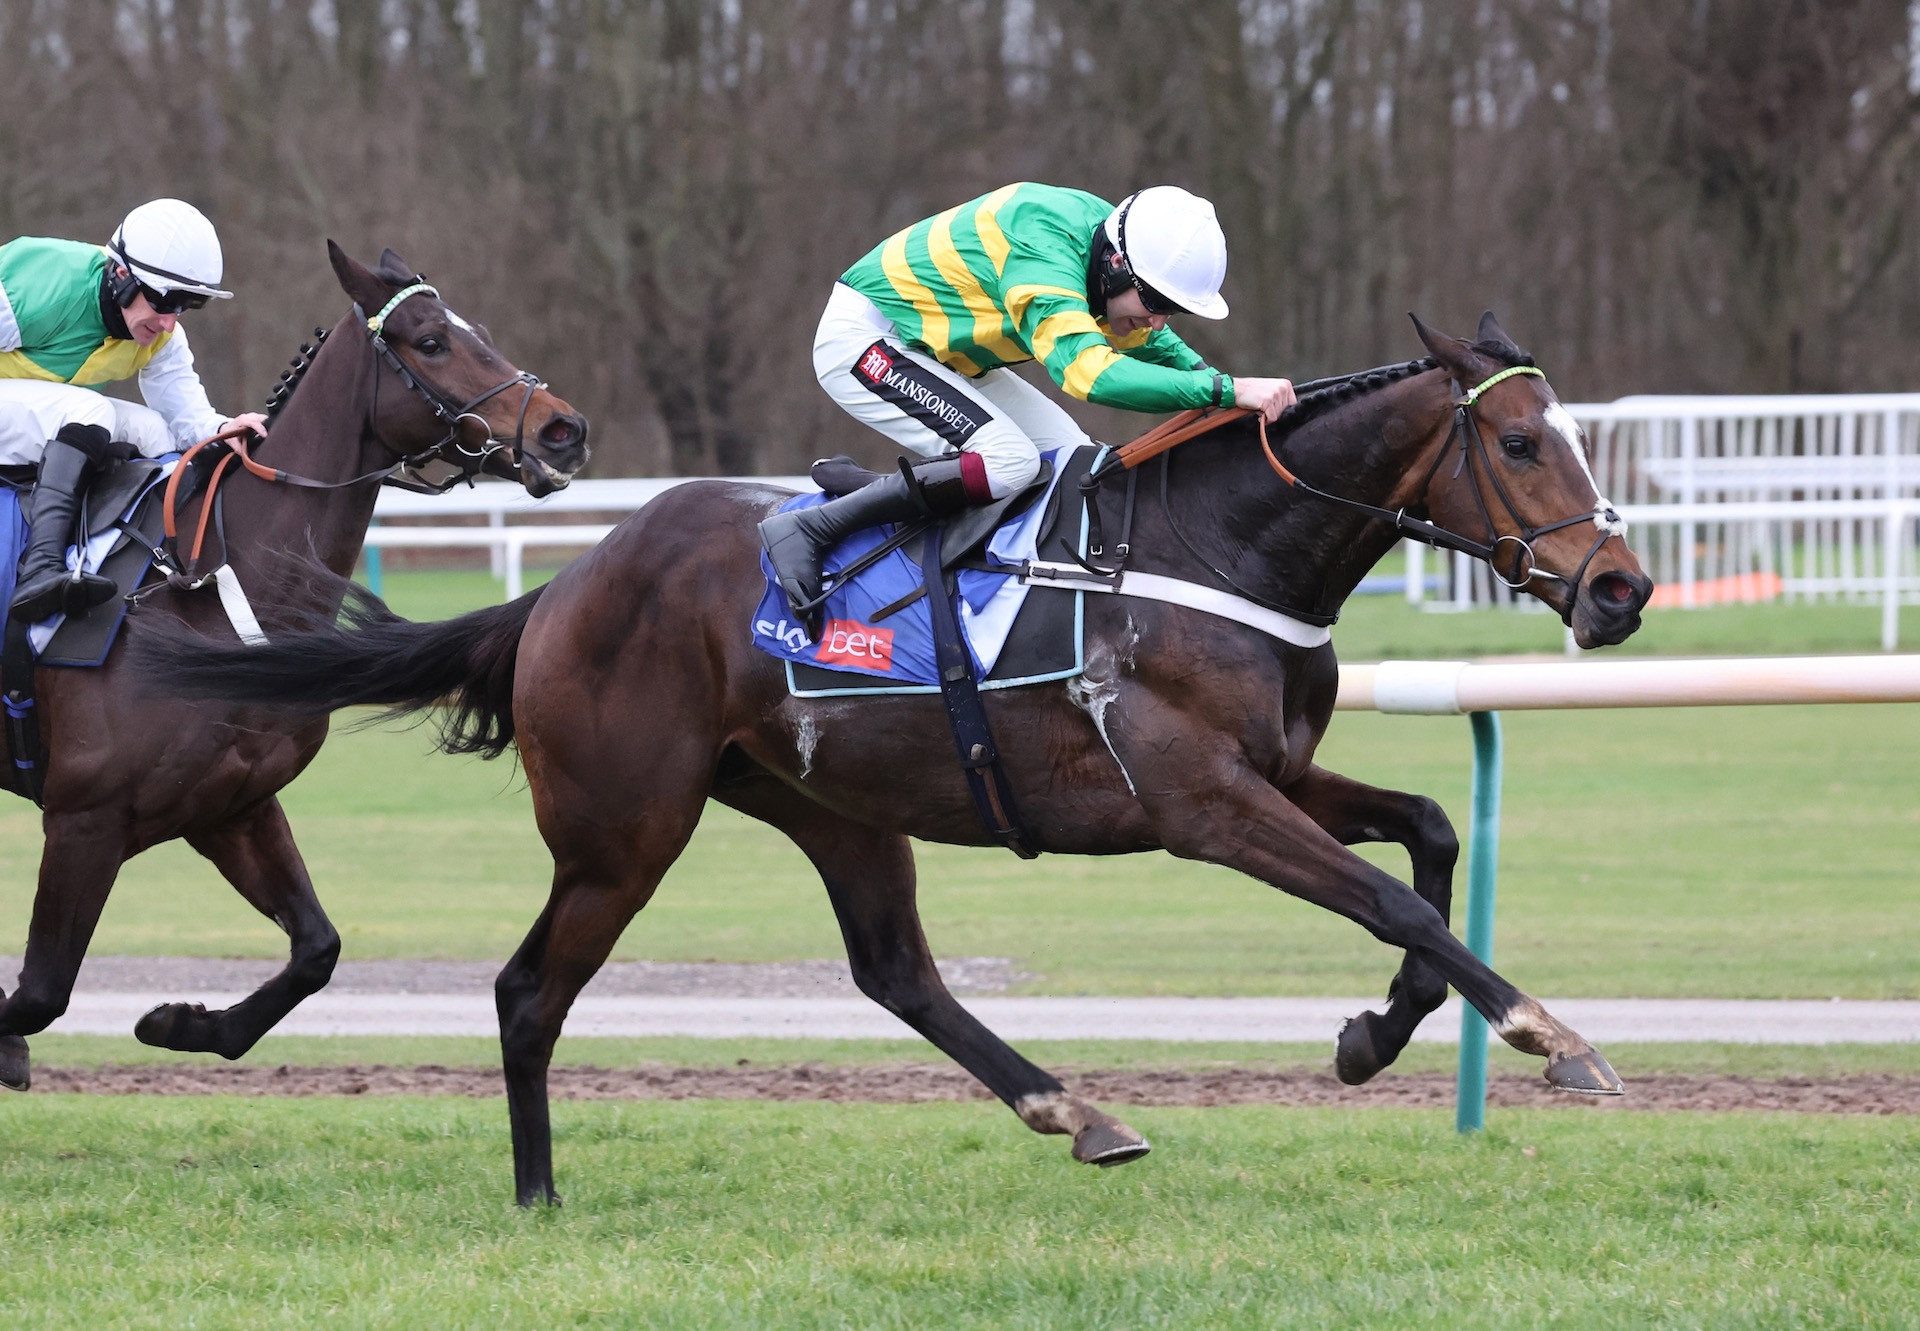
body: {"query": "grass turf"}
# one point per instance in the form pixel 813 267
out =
pixel 136 1212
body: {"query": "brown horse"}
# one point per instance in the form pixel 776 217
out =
pixel 128 771
pixel 630 687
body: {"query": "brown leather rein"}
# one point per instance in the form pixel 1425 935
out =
pixel 232 442
pixel 1191 425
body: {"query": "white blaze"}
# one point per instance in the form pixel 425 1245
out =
pixel 1563 424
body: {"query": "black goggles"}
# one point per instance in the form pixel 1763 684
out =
pixel 173 302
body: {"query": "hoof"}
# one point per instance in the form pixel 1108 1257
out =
pixel 177 1026
pixel 1356 1058
pixel 528 1200
pixel 1584 1074
pixel 1107 1144
pixel 15 1071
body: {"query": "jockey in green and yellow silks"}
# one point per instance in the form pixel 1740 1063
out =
pixel 73 316
pixel 918 336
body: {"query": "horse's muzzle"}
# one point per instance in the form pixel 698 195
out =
pixel 1609 608
pixel 550 458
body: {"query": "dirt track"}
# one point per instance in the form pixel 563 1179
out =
pixel 1878 1093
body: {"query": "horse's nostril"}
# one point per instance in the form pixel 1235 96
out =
pixel 1617 591
pixel 561 431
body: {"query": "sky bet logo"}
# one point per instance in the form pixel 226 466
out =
pixel 790 636
pixel 849 642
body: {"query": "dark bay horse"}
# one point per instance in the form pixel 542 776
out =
pixel 634 696
pixel 129 770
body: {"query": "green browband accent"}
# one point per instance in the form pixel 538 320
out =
pixel 1474 395
pixel 374 324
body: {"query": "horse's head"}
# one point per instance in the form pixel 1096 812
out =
pixel 442 391
pixel 1514 475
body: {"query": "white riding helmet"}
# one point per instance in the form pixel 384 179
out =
pixel 169 245
pixel 1171 240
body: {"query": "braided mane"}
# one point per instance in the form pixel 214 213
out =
pixel 1320 401
pixel 290 379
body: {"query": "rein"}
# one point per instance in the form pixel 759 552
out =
pixel 1466 430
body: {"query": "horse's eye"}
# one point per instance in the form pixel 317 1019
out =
pixel 430 346
pixel 1517 445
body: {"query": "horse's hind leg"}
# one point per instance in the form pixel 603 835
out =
pixel 255 852
pixel 870 879
pixel 1351 811
pixel 81 858
pixel 604 872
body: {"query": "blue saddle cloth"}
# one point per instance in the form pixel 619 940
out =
pixel 899 648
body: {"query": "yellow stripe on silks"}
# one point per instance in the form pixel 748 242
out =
pixel 1084 369
pixel 118 358
pixel 1019 297
pixel 1067 323
pixel 19 365
pixel 988 322
pixel 934 325
pixel 1137 338
pixel 987 222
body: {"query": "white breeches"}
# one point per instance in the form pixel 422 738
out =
pixel 33 410
pixel 929 409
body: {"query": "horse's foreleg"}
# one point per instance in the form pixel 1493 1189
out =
pixel 1351 811
pixel 1240 821
pixel 256 854
pixel 870 879
pixel 81 858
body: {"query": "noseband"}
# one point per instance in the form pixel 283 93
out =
pixel 468 432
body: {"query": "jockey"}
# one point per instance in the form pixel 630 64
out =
pixel 73 315
pixel 917 337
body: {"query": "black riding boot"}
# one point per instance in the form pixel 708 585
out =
pixel 796 542
pixel 46 587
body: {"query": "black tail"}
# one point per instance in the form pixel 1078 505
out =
pixel 370 657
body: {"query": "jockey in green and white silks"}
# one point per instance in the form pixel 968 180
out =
pixel 72 316
pixel 918 336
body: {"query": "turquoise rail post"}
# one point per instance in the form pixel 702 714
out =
pixel 373 570
pixel 1483 859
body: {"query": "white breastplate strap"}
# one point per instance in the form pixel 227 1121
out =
pixel 1153 587
pixel 233 599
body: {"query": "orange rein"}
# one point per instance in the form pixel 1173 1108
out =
pixel 1189 425
pixel 235 437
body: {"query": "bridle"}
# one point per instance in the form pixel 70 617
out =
pixel 468 432
pixel 1474 460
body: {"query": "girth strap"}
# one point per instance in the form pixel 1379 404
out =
pixel 966 716
pixel 27 772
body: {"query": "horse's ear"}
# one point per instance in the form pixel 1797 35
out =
pixel 396 269
pixel 1492 332
pixel 1454 353
pixel 368 291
